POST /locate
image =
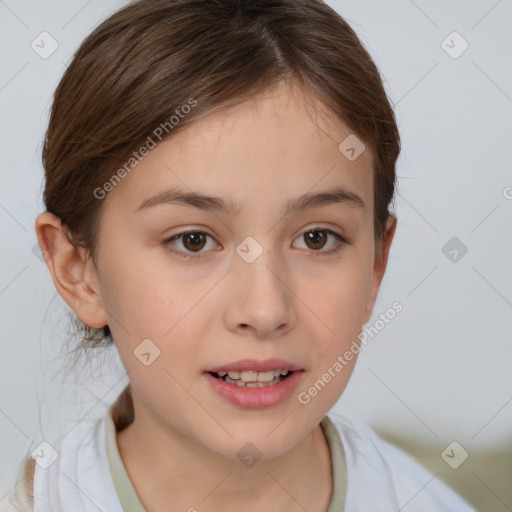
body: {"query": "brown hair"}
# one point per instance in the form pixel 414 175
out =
pixel 140 66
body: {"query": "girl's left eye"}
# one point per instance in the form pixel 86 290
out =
pixel 195 241
pixel 318 236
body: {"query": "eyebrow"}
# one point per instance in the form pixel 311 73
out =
pixel 339 195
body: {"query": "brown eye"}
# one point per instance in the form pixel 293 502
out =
pixel 322 241
pixel 189 244
pixel 194 241
pixel 315 239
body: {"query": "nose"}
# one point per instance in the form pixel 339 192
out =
pixel 261 300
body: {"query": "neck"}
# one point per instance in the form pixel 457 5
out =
pixel 167 467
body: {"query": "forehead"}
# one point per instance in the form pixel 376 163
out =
pixel 278 145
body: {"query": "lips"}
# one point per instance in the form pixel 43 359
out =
pixel 256 365
pixel 255 397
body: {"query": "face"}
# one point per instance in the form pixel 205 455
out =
pixel 258 279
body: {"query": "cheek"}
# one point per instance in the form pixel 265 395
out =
pixel 339 305
pixel 146 296
pixel 335 337
pixel 339 302
pixel 161 305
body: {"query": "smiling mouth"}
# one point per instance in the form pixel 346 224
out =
pixel 251 379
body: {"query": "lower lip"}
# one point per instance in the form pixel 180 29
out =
pixel 255 398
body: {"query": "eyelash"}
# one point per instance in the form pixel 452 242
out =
pixel 341 241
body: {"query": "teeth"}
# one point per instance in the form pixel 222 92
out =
pixel 242 384
pixel 254 377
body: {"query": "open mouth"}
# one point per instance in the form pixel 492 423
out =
pixel 253 379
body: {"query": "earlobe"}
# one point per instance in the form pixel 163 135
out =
pixel 68 267
pixel 379 267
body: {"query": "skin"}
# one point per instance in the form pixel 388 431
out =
pixel 294 301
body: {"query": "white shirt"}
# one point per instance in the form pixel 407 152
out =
pixel 379 476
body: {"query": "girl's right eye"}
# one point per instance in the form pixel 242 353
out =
pixel 193 241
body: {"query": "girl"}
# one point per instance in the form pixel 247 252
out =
pixel 218 177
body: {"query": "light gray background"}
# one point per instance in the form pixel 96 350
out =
pixel 440 371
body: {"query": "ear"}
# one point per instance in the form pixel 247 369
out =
pixel 379 267
pixel 73 274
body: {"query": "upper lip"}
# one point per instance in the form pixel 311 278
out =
pixel 256 365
